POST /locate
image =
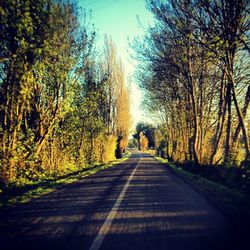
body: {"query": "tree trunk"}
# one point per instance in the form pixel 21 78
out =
pixel 241 122
pixel 244 112
pixel 227 155
pixel 221 118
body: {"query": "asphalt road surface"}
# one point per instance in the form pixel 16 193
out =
pixel 139 204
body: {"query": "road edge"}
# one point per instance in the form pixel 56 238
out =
pixel 55 185
pixel 239 219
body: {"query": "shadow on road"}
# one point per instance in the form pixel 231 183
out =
pixel 159 211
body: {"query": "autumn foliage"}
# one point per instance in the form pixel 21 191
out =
pixel 143 142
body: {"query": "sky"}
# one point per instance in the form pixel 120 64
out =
pixel 118 18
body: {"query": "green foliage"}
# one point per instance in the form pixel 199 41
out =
pixel 53 93
pixel 133 143
pixel 23 191
pixel 148 131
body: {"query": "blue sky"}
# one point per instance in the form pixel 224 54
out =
pixel 118 18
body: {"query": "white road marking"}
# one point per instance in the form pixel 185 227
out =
pixel 107 223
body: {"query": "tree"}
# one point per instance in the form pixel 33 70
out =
pixel 195 77
pixel 24 26
pixel 123 118
pixel 62 107
pixel 148 131
pixel 227 39
pixel 116 109
pixel 143 141
pixel 133 143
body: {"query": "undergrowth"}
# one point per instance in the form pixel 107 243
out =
pixel 12 194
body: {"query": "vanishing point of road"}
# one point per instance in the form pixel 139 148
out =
pixel 139 204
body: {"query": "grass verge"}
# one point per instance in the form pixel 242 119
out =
pixel 235 205
pixel 17 196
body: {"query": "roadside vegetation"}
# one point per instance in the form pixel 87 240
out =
pixel 232 202
pixel 14 195
pixel 193 66
pixel 64 103
pixel 232 177
pixel 225 186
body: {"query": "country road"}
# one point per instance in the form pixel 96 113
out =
pixel 139 204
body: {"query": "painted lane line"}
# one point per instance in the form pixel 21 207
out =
pixel 107 223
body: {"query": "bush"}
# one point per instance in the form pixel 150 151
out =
pixel 235 177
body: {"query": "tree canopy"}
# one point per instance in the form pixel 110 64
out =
pixel 194 70
pixel 64 104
